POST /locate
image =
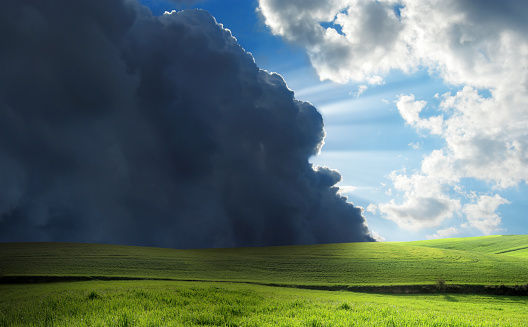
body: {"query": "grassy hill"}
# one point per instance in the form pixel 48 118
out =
pixel 179 302
pixel 512 245
pixel 457 261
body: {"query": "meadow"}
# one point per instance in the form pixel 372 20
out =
pixel 167 303
pixel 511 245
pixel 327 264
pixel 262 286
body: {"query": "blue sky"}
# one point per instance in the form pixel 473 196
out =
pixel 379 103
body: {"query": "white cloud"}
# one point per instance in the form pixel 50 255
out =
pixel 347 189
pixel 362 88
pixel 361 51
pixel 377 236
pixel 488 138
pixel 443 233
pixel 372 208
pixel 481 215
pixel 375 80
pixel 474 44
pixel 425 203
pixel 410 110
pixel 415 145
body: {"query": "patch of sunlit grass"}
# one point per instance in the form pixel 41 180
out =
pixel 511 245
pixel 156 303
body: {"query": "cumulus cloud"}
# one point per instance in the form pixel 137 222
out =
pixel 481 215
pixel 459 40
pixel 356 46
pixel 377 237
pixel 120 127
pixel 476 45
pixel 410 110
pixel 425 203
pixel 443 233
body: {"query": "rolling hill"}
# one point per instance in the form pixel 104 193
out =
pixel 512 245
pixel 490 260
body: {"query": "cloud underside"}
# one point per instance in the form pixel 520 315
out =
pixel 475 44
pixel 120 127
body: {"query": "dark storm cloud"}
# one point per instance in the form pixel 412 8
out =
pixel 120 127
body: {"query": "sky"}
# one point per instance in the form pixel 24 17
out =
pixel 251 123
pixel 424 103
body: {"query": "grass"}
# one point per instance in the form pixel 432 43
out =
pixel 511 245
pixel 457 261
pixel 225 287
pixel 167 303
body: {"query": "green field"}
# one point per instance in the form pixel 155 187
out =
pixel 227 287
pixel 512 245
pixel 164 303
pixel 457 261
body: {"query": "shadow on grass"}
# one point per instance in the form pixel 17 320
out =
pixel 450 298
